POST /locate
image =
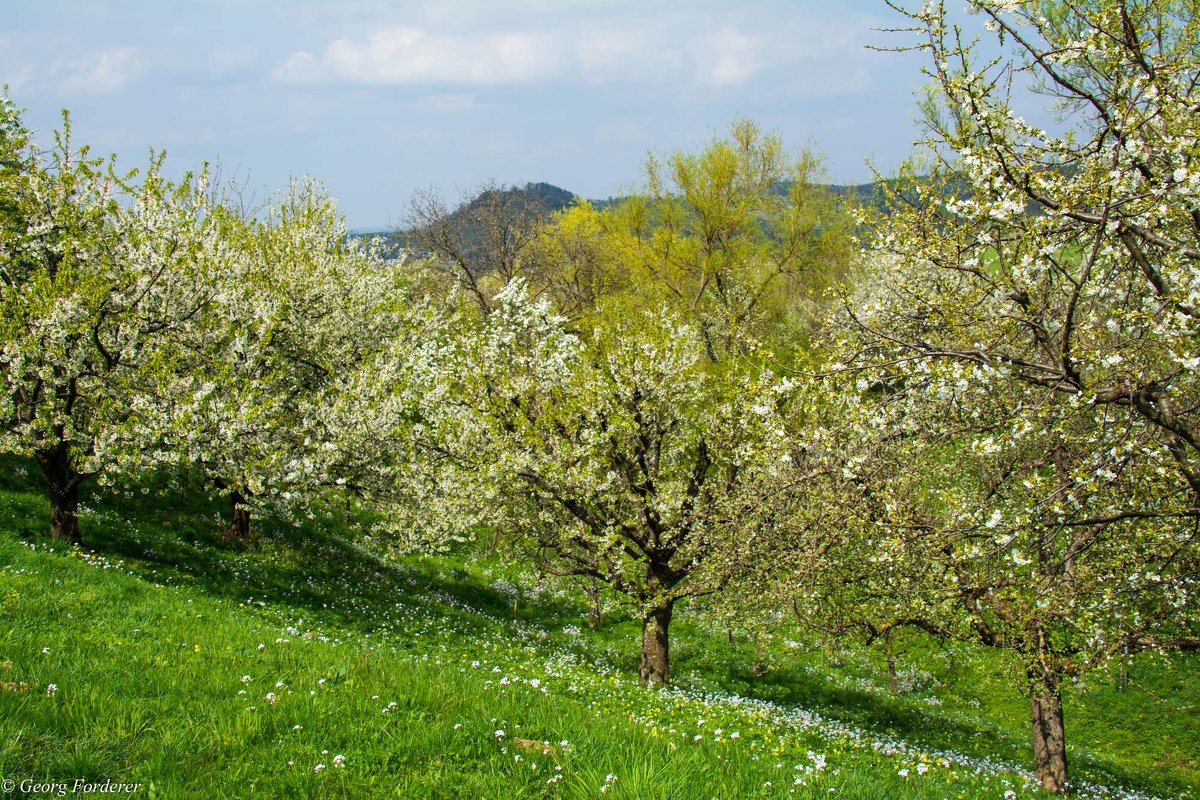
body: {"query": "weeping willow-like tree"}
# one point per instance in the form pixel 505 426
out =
pixel 738 238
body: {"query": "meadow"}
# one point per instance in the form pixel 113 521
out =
pixel 306 664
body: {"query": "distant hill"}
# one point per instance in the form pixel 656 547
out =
pixel 537 199
pixel 543 199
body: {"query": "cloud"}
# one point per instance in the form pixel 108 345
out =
pixel 663 51
pixel 108 72
pixel 16 78
pixel 408 55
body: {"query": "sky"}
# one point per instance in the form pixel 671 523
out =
pixel 381 98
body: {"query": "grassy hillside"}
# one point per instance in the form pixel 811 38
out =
pixel 305 666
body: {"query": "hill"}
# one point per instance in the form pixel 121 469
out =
pixel 534 200
pixel 542 199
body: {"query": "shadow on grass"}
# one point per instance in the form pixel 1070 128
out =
pixel 902 716
pixel 172 534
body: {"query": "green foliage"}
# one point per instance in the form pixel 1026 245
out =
pixel 738 238
pixel 1004 449
pixel 625 458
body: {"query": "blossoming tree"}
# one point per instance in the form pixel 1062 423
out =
pixel 284 389
pixel 98 272
pixel 622 457
pixel 1071 259
pixel 973 508
pixel 1030 350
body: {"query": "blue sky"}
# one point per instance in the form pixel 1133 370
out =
pixel 378 99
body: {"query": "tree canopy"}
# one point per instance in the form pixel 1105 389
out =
pixel 1026 348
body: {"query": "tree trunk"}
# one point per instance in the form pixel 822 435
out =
pixel 239 519
pixel 62 486
pixel 759 667
pixel 1049 736
pixel 654 665
pixel 829 647
pixel 893 681
pixel 595 609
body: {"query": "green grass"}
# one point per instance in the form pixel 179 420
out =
pixel 408 670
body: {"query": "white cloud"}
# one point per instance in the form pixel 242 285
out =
pixel 667 50
pixel 16 78
pixel 108 72
pixel 604 51
pixel 409 55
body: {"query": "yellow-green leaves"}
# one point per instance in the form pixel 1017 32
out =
pixel 736 238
